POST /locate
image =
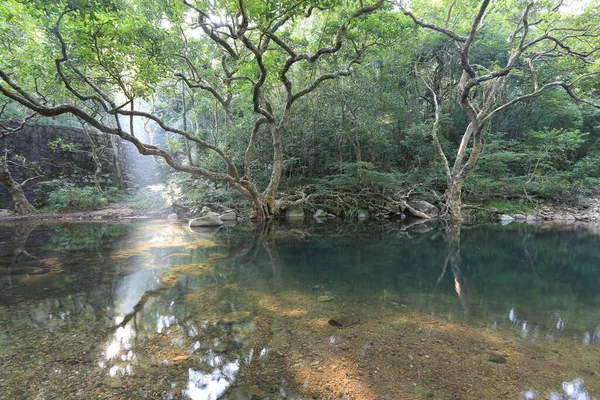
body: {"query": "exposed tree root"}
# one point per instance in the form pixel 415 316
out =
pixel 349 204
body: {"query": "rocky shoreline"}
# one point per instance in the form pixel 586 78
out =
pixel 585 212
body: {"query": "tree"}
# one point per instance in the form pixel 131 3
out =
pixel 104 51
pixel 542 36
pixel 22 205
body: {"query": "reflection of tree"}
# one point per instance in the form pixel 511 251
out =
pixel 452 240
pixel 21 261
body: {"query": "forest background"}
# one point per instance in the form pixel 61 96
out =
pixel 350 106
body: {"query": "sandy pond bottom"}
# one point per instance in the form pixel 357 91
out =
pixel 156 311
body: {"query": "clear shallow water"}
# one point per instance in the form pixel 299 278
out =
pixel 154 310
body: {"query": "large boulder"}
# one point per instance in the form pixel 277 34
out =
pixel 229 216
pixel 426 208
pixel 210 219
pixel 294 212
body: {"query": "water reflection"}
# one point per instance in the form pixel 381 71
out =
pixel 570 391
pixel 210 386
pixel 179 314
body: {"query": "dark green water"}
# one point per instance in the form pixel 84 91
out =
pixel 154 310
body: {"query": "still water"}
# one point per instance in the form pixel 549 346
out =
pixel 155 310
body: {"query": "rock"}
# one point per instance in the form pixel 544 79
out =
pixel 225 346
pixel 113 383
pixel 324 299
pixel 205 210
pixel 497 359
pixel 229 216
pixel 172 217
pixel 294 212
pixel 531 218
pixel 426 208
pixel 362 215
pixel 256 391
pixel 210 219
pixel 319 213
pixel 569 218
pixel 506 218
pixel 344 321
pixel 585 217
pixel 239 393
pixel 235 317
pixel 4 212
pixel 519 217
pixel 331 216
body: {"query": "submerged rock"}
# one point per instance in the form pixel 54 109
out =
pixel 324 299
pixel 344 321
pixel 254 390
pixel 225 346
pixel 235 316
pixel 210 219
pixel 113 383
pixel 239 393
pixel 497 359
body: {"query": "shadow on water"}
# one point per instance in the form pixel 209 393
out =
pixel 332 310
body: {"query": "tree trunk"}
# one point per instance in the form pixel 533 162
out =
pixel 22 205
pixel 268 196
pixel 118 159
pixel 453 199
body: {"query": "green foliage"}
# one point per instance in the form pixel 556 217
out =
pixel 62 195
pixel 197 193
pixel 361 175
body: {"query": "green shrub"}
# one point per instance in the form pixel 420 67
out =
pixel 63 195
pixel 70 198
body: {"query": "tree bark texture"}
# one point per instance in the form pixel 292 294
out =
pixel 22 205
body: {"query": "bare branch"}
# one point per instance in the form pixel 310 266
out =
pixel 451 34
pixel 435 127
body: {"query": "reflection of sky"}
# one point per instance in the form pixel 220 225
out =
pixel 210 386
pixel 570 391
pixel 558 324
pixel 119 350
pixel 131 288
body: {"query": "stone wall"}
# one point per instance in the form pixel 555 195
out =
pixel 77 165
